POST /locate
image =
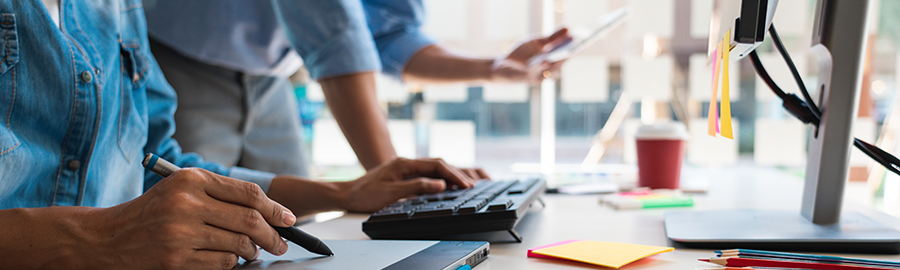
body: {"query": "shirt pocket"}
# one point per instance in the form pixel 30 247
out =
pixel 132 123
pixel 9 56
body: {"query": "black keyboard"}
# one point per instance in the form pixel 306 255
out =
pixel 489 206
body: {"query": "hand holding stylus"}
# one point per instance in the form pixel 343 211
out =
pixel 234 199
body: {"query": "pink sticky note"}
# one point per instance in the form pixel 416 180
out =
pixel 533 255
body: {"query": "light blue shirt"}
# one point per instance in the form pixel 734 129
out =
pixel 81 103
pixel 334 37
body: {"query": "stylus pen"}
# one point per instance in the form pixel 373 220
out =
pixel 165 168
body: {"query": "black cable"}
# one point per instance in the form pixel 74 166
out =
pixel 761 71
pixel 787 59
pixel 810 113
pixel 790 102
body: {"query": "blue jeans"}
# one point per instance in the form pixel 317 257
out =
pixel 234 118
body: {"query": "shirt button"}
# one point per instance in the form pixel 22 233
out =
pixel 86 76
pixel 74 164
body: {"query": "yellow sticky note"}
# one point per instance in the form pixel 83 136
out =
pixel 606 254
pixel 726 99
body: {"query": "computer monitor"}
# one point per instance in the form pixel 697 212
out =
pixel 839 42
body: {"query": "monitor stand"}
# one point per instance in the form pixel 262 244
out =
pixel 783 230
pixel 839 44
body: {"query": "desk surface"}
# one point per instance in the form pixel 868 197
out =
pixel 582 217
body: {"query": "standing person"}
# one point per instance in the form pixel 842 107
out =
pixel 229 63
pixel 82 100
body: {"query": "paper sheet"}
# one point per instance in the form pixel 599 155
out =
pixel 606 254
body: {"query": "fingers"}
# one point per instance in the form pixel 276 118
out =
pixel 482 174
pixel 554 39
pixel 209 259
pixel 217 239
pixel 421 185
pixel 245 221
pixel 432 168
pixel 246 194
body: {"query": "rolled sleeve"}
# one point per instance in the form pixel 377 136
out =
pixel 396 26
pixel 397 48
pixel 348 53
pixel 331 36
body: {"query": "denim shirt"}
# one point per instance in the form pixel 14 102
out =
pixel 334 37
pixel 81 103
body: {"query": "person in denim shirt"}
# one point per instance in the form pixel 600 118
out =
pixel 81 101
pixel 229 61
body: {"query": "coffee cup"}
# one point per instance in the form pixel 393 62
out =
pixel 660 153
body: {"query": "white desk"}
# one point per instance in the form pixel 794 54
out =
pixel 582 217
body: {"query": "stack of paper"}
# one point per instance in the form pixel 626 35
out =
pixel 784 260
pixel 606 254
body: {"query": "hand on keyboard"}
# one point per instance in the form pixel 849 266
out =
pixel 476 173
pixel 399 179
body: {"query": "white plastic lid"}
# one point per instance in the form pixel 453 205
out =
pixel 663 131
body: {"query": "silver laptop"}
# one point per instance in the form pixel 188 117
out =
pixel 378 254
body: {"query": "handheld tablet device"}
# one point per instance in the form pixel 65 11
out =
pixel 582 37
pixel 378 254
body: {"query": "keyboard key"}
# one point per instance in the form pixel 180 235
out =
pixel 433 212
pixel 465 209
pixel 388 216
pixel 521 187
pixel 500 205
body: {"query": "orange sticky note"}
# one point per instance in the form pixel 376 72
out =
pixel 726 98
pixel 713 115
pixel 608 254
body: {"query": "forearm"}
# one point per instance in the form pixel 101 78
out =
pixel 354 104
pixel 50 238
pixel 305 197
pixel 436 64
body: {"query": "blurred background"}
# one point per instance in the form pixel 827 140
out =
pixel 654 67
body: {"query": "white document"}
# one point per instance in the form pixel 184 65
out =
pixel 653 78
pixel 585 79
